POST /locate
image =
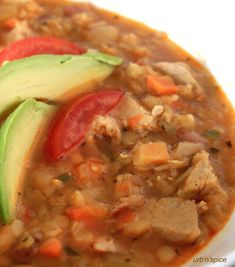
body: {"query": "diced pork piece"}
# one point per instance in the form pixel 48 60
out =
pixel 105 126
pixel 185 150
pixel 191 136
pixel 21 31
pixel 203 184
pixel 149 154
pixel 128 190
pixel 181 73
pixel 175 219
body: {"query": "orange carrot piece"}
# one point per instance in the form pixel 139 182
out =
pixel 133 121
pixel 123 188
pixel 11 23
pixel 151 153
pixel 125 216
pixel 86 212
pixel 179 105
pixel 161 85
pixel 51 248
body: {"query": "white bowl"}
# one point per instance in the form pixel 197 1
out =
pixel 206 30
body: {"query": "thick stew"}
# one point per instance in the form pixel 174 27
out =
pixel 116 146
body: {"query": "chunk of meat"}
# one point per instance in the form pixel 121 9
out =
pixel 175 219
pixel 203 184
pixel 181 73
pixel 185 150
pixel 191 136
pixel 128 190
pixel 202 207
pixel 104 126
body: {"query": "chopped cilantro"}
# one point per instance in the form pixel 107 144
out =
pixel 70 251
pixel 66 177
pixel 212 134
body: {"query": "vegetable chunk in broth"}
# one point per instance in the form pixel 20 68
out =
pixel 134 164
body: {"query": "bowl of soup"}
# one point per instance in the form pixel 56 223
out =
pixel 116 145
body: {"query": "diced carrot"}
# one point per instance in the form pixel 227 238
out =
pixel 122 188
pixel 133 121
pixel 161 85
pixel 125 216
pixel 178 105
pixel 151 153
pixel 91 216
pixel 86 212
pixel 11 23
pixel 51 248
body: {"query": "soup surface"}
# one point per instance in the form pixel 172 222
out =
pixel 138 171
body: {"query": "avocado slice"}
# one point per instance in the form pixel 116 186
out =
pixel 17 135
pixel 52 77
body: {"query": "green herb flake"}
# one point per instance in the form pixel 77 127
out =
pixel 70 251
pixel 212 134
pixel 66 177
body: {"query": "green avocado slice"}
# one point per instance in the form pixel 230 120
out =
pixel 17 135
pixel 52 77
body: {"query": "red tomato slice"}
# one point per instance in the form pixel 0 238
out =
pixel 74 120
pixel 38 46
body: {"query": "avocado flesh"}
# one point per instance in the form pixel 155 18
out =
pixel 17 135
pixel 52 77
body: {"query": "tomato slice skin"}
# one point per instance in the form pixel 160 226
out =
pixel 37 46
pixel 74 119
